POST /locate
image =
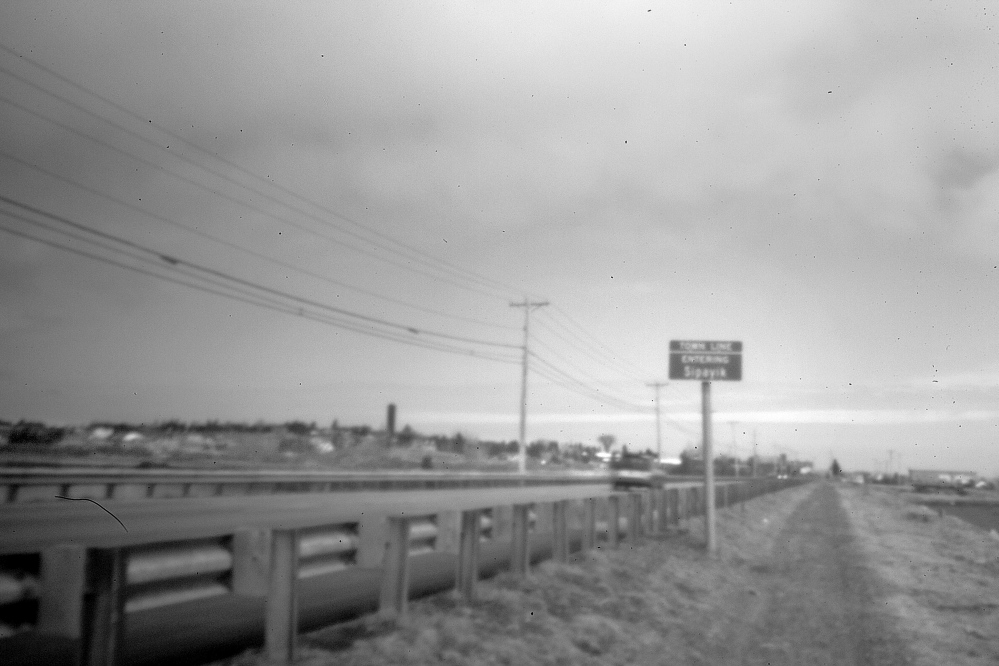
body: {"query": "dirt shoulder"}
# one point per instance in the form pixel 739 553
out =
pixel 800 579
pixel 818 602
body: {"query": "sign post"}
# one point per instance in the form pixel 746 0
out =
pixel 707 361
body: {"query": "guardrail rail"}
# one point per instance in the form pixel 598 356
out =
pixel 86 594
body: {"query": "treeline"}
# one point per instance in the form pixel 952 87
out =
pixel 176 426
pixel 32 432
pixel 340 436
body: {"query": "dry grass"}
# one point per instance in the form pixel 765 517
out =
pixel 942 575
pixel 664 600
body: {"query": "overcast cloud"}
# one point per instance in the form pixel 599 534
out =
pixel 819 180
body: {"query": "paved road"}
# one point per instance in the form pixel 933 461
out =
pixel 817 602
pixel 27 527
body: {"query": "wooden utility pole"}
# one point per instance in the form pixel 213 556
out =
pixel 659 429
pixel 528 306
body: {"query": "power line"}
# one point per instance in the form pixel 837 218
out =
pixel 239 248
pixel 593 347
pixel 194 183
pixel 406 250
pixel 608 385
pixel 231 293
pixel 175 261
pixel 567 380
pixel 585 352
pixel 592 380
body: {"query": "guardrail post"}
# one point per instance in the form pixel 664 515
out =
pixel 649 507
pixel 468 553
pixel 520 545
pixel 372 534
pixel 668 507
pixel 395 579
pixel 614 521
pixel 560 531
pixel 634 517
pixel 657 521
pixel 589 523
pixel 104 608
pixel 251 561
pixel 281 623
pixel 665 507
pixel 543 517
pixel 502 521
pixel 63 584
pixel 448 531
pixel 677 507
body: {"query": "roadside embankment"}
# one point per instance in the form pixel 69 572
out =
pixel 941 576
pixel 663 601
pixel 818 574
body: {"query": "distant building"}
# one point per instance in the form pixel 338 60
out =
pixel 927 480
pixel 101 433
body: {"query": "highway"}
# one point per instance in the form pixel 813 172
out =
pixel 202 630
pixel 27 528
pixel 198 631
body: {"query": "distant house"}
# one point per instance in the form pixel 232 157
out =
pixel 927 480
pixel 101 434
pixel 321 444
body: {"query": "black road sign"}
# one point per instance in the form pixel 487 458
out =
pixel 705 360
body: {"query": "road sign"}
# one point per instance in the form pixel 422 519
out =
pixel 705 360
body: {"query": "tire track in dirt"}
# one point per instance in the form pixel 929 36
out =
pixel 819 603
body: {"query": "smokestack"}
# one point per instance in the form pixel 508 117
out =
pixel 390 422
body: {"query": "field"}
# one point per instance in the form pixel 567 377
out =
pixel 888 586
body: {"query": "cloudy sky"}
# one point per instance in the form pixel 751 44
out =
pixel 245 210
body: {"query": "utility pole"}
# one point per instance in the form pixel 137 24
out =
pixel 659 428
pixel 754 452
pixel 528 306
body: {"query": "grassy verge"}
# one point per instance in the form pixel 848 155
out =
pixel 661 601
pixel 942 576
pixel 664 601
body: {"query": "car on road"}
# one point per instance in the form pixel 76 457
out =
pixel 635 470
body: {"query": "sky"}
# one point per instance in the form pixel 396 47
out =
pixel 261 210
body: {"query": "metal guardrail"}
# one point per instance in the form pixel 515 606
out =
pixel 86 594
pixel 45 484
